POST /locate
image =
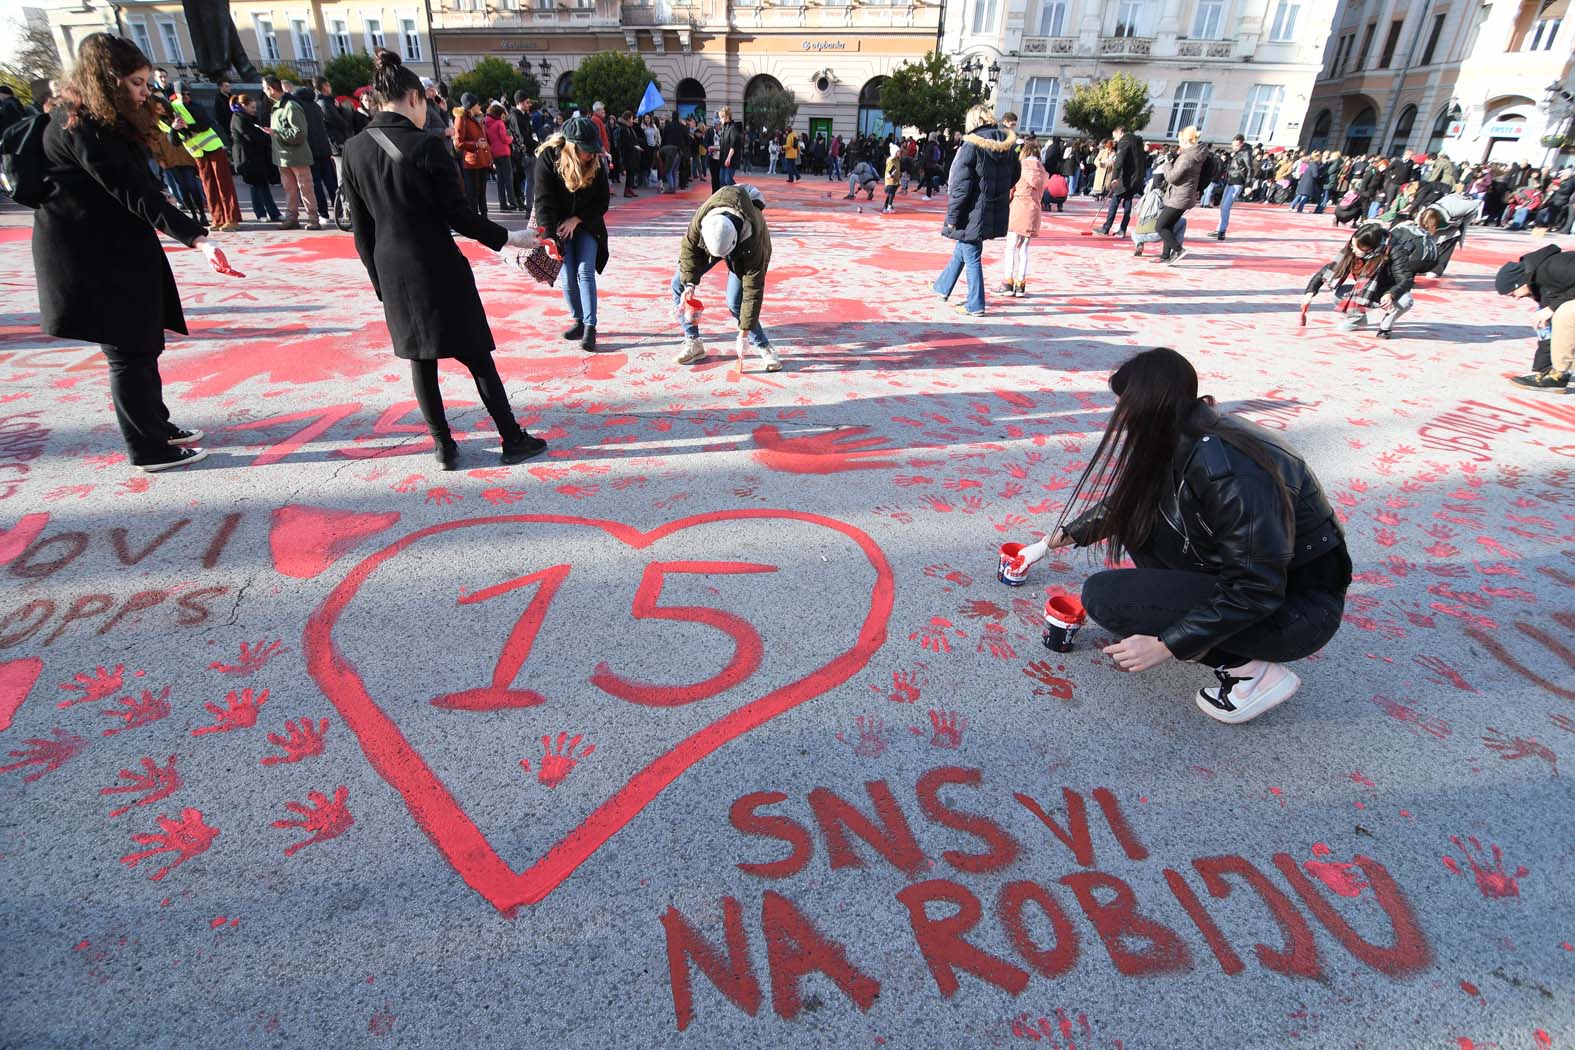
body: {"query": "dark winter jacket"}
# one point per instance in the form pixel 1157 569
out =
pixel 732 140
pixel 1372 183
pixel 102 274
pixel 1551 274
pixel 1238 169
pixel 1312 178
pixel 1130 168
pixel 523 131
pixel 334 123
pixel 1181 178
pixel 316 131
pixel 402 211
pixel 980 185
pixel 555 202
pixel 1411 251
pixel 251 151
pixel 1227 512
pixel 750 259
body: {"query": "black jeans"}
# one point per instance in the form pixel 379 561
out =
pixel 1152 597
pixel 1165 226
pixel 137 390
pixel 1118 200
pixel 476 189
pixel 424 377
pixel 325 184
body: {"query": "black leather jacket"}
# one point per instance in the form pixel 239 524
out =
pixel 1227 513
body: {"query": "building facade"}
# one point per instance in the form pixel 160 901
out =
pixel 295 37
pixel 1478 81
pixel 1228 66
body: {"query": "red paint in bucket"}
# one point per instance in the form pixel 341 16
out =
pixel 1012 571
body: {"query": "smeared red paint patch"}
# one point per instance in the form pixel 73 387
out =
pixel 305 541
pixel 17 678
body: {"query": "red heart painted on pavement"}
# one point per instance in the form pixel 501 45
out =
pixel 305 541
pixel 439 814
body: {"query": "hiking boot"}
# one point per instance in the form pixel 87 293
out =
pixel 694 351
pixel 1547 379
pixel 524 447
pixel 575 331
pixel 768 357
pixel 183 457
pixel 1247 691
pixel 588 339
pixel 184 437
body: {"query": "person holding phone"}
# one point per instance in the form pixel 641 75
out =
pixel 102 274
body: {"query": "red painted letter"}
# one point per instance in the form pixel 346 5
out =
pixel 1003 849
pixel 1075 835
pixel 1299 958
pixel 892 838
pixel 746 820
pixel 1409 954
pixel 734 976
pixel 941 940
pixel 1166 952
pixel 794 948
pixel 1051 963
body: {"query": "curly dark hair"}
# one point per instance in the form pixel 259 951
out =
pixel 94 90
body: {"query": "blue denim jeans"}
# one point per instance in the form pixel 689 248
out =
pixel 1226 200
pixel 790 166
pixel 735 299
pixel 1299 202
pixel 262 202
pixel 579 276
pixel 672 179
pixel 835 174
pixel 966 258
pixel 727 177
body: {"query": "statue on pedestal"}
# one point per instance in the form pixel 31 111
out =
pixel 216 40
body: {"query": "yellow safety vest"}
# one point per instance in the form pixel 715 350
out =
pixel 200 144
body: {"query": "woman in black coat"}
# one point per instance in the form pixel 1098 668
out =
pixel 979 203
pixel 404 194
pixel 102 274
pixel 571 207
pixel 251 155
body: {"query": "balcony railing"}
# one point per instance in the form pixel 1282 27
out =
pixel 1049 45
pixel 1206 48
pixel 1126 47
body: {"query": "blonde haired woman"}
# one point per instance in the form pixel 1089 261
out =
pixel 1182 191
pixel 979 199
pixel 1104 163
pixel 572 194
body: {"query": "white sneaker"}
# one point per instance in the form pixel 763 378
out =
pixel 694 351
pixel 769 358
pixel 185 457
pixel 1247 691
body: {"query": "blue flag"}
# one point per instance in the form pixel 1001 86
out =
pixel 652 101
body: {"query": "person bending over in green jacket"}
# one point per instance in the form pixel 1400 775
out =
pixel 730 227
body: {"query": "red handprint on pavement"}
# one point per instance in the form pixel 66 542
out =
pixel 160 782
pixel 1412 718
pixel 186 838
pixel 1060 1033
pixel 949 574
pixel 871 736
pixel 139 711
pixel 325 819
pixel 1442 674
pixel 409 483
pixel 1041 672
pixel 253 657
pixel 47 753
pixel 90 688
pixel 1492 879
pixel 1562 721
pixel 905 686
pixel 501 496
pixel 996 642
pixel 557 762
pixel 239 712
pixel 304 741
pixel 933 636
pixel 830 452
pixel 1512 748
pixel 982 609
pixel 946 729
pixel 440 496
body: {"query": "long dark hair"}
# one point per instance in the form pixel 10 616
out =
pixel 94 89
pixel 392 80
pixel 1157 406
pixel 1371 240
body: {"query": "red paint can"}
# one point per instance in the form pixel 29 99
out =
pixel 1064 615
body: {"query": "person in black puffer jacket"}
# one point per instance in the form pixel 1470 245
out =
pixel 979 202
pixel 1546 276
pixel 1241 562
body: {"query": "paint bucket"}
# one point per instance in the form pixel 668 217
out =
pixel 1012 572
pixel 1063 616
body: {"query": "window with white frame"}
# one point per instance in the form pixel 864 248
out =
pixel 984 15
pixel 544 5
pixel 374 33
pixel 1041 103
pixel 1129 18
pixel 1190 105
pixel 301 40
pixel 1262 112
pixel 267 42
pixel 1542 34
pixel 1283 28
pixel 338 37
pixel 411 38
pixel 1052 17
pixel 169 36
pixel 144 40
pixel 1209 20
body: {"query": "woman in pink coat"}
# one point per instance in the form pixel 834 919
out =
pixel 1023 219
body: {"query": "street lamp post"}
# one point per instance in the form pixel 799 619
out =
pixel 1560 104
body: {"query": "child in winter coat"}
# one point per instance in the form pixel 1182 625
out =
pixel 893 177
pixel 1023 218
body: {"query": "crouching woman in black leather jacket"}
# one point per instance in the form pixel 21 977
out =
pixel 1241 563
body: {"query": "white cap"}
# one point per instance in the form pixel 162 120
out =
pixel 718 234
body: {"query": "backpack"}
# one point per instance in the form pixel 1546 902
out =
pixel 22 162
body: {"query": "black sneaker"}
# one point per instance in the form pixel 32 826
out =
pixel 446 453
pixel 522 448
pixel 588 339
pixel 575 332
pixel 184 457
pixel 184 437
pixel 1544 380
pixel 1383 333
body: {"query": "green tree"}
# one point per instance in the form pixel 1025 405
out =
pixel 618 80
pixel 493 78
pixel 771 110
pixel 35 58
pixel 1099 108
pixel 928 93
pixel 348 72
